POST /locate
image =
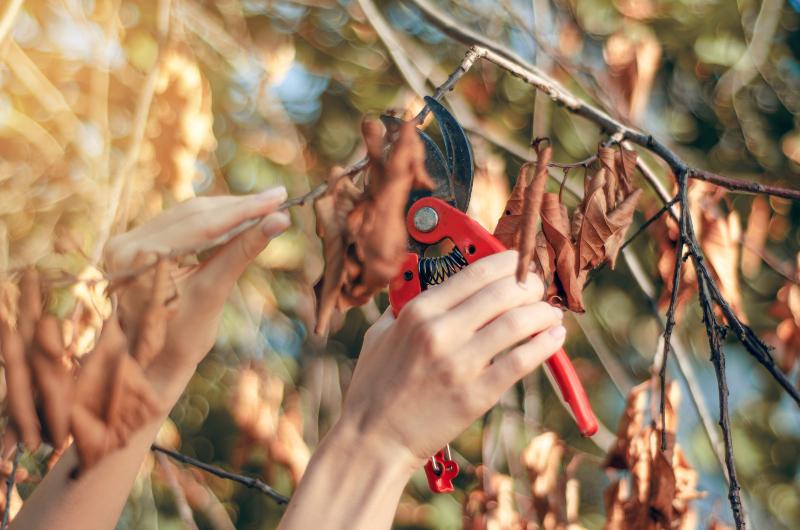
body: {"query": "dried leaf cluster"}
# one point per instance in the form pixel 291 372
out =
pixel 268 420
pixel 491 505
pixel 99 399
pixel 719 234
pixel 568 247
pixel 661 485
pixel 554 493
pixel 363 232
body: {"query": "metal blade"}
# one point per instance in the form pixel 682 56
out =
pixel 458 152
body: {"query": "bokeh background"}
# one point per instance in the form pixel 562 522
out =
pixel 111 111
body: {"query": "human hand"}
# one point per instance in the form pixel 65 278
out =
pixel 423 377
pixel 203 288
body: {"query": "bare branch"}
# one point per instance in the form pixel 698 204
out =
pixel 250 482
pixel 519 67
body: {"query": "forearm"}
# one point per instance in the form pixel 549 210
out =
pixel 352 482
pixel 95 499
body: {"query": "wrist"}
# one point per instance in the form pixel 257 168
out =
pixel 169 379
pixel 360 478
pixel 355 444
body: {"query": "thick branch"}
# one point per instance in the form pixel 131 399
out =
pixel 250 482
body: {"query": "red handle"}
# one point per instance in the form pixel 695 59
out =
pixel 573 392
pixel 475 242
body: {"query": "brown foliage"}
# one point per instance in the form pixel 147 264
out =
pixel 491 508
pixel 363 233
pixel 554 492
pixel 532 206
pixel 719 235
pixel 662 485
pixel 567 248
pixel 109 399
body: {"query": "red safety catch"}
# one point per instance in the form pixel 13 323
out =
pixel 440 478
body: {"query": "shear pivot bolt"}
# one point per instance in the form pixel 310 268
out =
pixel 426 219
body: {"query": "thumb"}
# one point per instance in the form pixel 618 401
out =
pixel 229 262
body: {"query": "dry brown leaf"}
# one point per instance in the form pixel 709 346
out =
pixel 379 222
pixel 556 229
pixel 568 247
pixel 542 458
pixel 363 235
pixel 661 485
pixel 531 211
pixel 507 229
pixel 493 508
pixel 332 210
pixel 113 399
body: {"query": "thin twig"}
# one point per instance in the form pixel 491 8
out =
pixel 250 482
pixel 670 325
pixel 715 334
pixel 473 54
pixel 10 484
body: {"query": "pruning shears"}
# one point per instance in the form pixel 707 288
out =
pixel 437 215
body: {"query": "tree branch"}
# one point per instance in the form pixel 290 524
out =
pixel 250 482
pixel 715 334
pixel 670 325
pixel 519 67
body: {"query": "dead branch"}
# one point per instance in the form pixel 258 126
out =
pixel 250 482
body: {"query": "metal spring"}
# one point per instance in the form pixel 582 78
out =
pixel 434 270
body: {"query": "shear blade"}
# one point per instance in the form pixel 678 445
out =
pixel 458 152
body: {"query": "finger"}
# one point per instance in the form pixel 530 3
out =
pixel 217 218
pixel 222 270
pixel 461 285
pixel 492 301
pixel 522 360
pixel 510 328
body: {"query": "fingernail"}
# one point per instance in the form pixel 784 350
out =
pixel 278 193
pixel 557 332
pixel 556 311
pixel 275 223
